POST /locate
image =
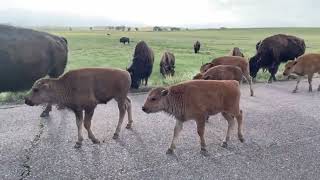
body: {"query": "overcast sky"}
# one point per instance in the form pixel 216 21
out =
pixel 191 13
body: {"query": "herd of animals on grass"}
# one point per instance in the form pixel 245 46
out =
pixel 215 89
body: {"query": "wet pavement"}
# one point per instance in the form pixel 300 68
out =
pixel 282 132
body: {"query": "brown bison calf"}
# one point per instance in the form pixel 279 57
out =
pixel 307 64
pixel 82 90
pixel 197 100
pixel 221 72
pixel 233 61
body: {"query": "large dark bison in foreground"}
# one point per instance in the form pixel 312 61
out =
pixel 142 63
pixel 274 50
pixel 27 55
pixel 124 40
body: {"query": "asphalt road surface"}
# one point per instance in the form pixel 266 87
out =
pixel 282 132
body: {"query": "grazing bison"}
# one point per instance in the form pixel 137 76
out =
pixel 124 40
pixel 274 50
pixel 196 100
pixel 167 64
pixel 236 52
pixel 27 55
pixel 233 61
pixel 142 63
pixel 196 47
pixel 307 64
pixel 82 90
pixel 221 72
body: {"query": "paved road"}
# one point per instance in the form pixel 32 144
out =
pixel 282 132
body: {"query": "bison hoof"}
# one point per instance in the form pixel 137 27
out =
pixel 251 93
pixel 44 114
pixel 129 126
pixel 170 151
pixel 78 145
pixel 294 91
pixel 95 141
pixel 115 136
pixel 204 152
pixel 224 144
pixel 241 139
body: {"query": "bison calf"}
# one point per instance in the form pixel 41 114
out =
pixel 221 72
pixel 236 52
pixel 167 64
pixel 240 62
pixel 307 64
pixel 197 100
pixel 82 90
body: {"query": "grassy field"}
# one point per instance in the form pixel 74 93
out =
pixel 96 49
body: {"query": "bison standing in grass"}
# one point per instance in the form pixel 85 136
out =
pixel 196 47
pixel 167 64
pixel 142 64
pixel 124 40
pixel 196 100
pixel 273 51
pixel 307 64
pixel 236 52
pixel 82 90
pixel 27 55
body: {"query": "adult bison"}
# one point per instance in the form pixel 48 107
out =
pixel 124 40
pixel 196 47
pixel 142 64
pixel 167 64
pixel 27 55
pixel 274 50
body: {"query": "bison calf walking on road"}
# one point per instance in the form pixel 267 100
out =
pixel 240 62
pixel 82 90
pixel 307 64
pixel 221 72
pixel 197 100
pixel 167 64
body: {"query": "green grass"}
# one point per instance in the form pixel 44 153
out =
pixel 96 49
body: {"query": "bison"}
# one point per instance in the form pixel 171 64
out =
pixel 167 64
pixel 236 52
pixel 221 72
pixel 233 61
pixel 142 64
pixel 274 50
pixel 82 90
pixel 27 55
pixel 196 100
pixel 124 40
pixel 307 64
pixel 196 47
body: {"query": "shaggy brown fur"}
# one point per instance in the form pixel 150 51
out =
pixel 197 100
pixel 307 64
pixel 240 62
pixel 82 90
pixel 221 72
pixel 167 64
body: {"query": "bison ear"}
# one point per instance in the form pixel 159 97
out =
pixel 164 92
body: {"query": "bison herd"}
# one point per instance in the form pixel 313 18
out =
pixel 29 55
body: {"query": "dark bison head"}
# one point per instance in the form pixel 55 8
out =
pixel 135 80
pixel 254 66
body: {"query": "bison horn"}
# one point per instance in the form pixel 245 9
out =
pixel 164 92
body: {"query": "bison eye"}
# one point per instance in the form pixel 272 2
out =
pixel 289 67
pixel 153 99
pixel 35 90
